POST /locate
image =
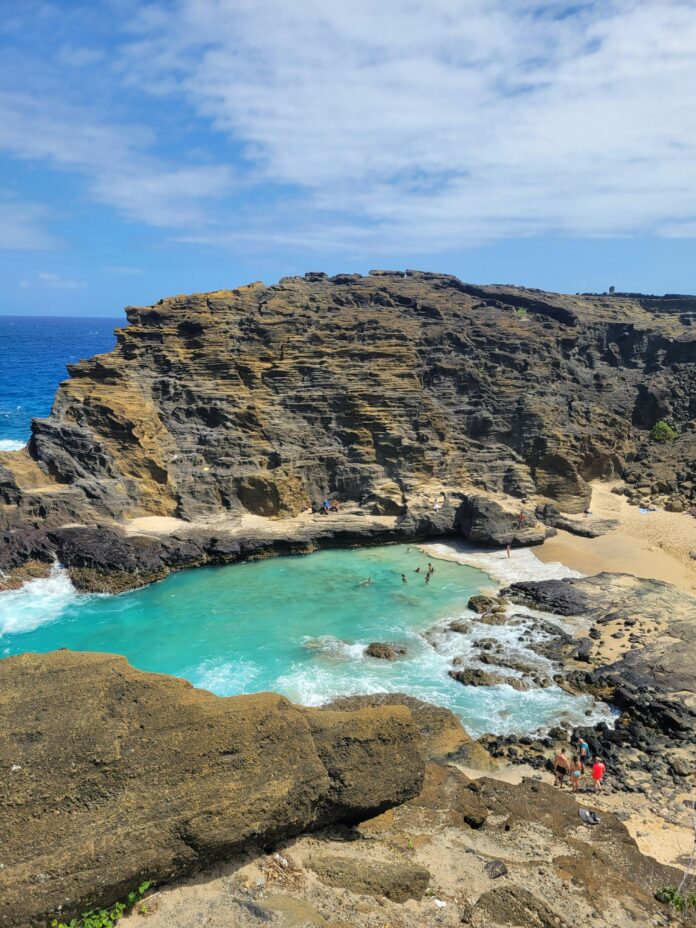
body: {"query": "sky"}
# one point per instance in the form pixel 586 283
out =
pixel 148 149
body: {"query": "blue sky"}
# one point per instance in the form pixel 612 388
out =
pixel 156 148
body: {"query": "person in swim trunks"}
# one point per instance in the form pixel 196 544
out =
pixel 560 767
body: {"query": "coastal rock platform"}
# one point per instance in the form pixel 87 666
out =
pixel 116 776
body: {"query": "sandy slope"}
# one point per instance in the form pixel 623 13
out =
pixel 654 544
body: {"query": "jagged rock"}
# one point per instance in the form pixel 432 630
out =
pixel 482 603
pixel 384 651
pixel 653 683
pixel 473 676
pixel 485 521
pixel 585 528
pixel 398 882
pixel 158 778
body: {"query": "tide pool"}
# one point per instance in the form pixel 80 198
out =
pixel 295 625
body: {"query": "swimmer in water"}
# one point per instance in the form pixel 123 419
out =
pixel 366 582
pixel 404 578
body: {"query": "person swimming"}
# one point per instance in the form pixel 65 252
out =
pixel 366 582
pixel 404 578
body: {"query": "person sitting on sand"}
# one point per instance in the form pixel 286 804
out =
pixel 576 772
pixel 326 506
pixel 404 578
pixel 366 582
pixel 598 769
pixel 560 767
pixel 334 507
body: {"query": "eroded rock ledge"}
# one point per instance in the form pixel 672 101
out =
pixel 111 776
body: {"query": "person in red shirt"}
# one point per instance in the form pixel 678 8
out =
pixel 598 769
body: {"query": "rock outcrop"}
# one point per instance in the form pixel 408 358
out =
pixel 653 678
pixel 158 779
pixel 407 393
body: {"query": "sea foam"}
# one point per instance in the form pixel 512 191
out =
pixel 36 603
pixel 522 564
pixel 10 444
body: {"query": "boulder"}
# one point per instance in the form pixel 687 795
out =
pixel 472 676
pixel 112 776
pixel 384 651
pixel 484 521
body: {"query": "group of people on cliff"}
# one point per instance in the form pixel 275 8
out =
pixel 576 767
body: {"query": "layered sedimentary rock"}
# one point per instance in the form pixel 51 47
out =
pixel 158 778
pixel 373 388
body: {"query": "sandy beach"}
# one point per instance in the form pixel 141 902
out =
pixel 646 544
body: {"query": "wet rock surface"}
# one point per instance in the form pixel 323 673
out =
pixel 158 779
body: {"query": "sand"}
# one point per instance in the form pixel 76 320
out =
pixel 654 545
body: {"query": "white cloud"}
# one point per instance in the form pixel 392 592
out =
pixel 52 281
pixel 438 125
pixel 115 159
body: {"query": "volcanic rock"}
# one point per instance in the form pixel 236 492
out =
pixel 384 651
pixel 113 776
pixel 416 397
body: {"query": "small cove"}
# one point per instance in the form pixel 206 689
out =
pixel 296 625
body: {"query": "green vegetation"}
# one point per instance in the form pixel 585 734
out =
pixel 662 431
pixel 520 312
pixel 682 903
pixel 106 918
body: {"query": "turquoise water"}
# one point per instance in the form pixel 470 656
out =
pixel 297 625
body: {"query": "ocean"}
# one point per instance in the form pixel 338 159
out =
pixel 34 351
pixel 296 625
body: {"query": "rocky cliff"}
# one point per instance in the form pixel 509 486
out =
pixel 158 778
pixel 394 391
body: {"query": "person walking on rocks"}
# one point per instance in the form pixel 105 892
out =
pixel 560 767
pixel 598 769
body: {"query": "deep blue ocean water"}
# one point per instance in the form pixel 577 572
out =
pixel 34 351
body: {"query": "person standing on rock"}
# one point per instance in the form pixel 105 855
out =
pixel 584 749
pixel 560 767
pixel 576 771
pixel 598 769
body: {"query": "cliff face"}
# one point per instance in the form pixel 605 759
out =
pixel 380 389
